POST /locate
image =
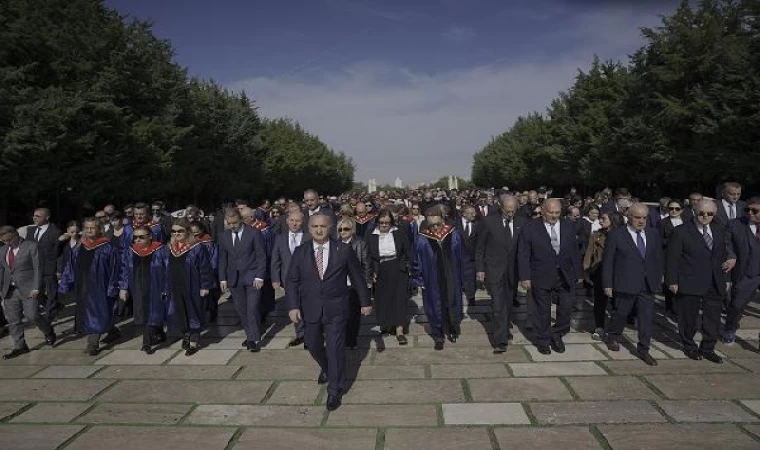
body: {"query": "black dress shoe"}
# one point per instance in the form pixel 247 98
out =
pixel 254 347
pixel 501 348
pixel 557 345
pixel 185 343
pixel 148 349
pixel 544 349
pixel 322 378
pixel 647 358
pixel 92 351
pixel 193 349
pixel 245 343
pixel 16 353
pixel 712 357
pixel 452 338
pixel 112 336
pixel 295 342
pixel 401 339
pixel 693 354
pixel 50 339
pixel 438 346
pixel 333 402
pixel 160 337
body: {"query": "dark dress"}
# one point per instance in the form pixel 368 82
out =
pixel 391 289
pixel 189 272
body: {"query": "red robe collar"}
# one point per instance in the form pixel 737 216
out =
pixel 203 239
pixel 151 223
pixel 441 235
pixel 364 219
pixel 180 248
pixel 145 251
pixel 260 225
pixel 91 244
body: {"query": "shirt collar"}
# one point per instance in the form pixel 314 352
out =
pixel 325 246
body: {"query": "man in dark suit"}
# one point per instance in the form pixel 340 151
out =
pixel 695 272
pixel 45 235
pixel 744 234
pixel 469 228
pixel 496 265
pixel 729 206
pixel 549 263
pixel 484 209
pixel 632 268
pixel 316 292
pixel 242 269
pixel 658 213
pixel 614 204
pixel 20 286
pixel 285 245
pixel 688 212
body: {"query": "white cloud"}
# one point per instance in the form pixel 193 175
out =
pixel 458 34
pixel 396 122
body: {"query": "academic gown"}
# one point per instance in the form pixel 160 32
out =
pixel 267 291
pixel 155 228
pixel 365 225
pixel 144 273
pixel 92 272
pixel 438 261
pixel 189 272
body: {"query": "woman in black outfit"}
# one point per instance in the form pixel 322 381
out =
pixel 347 233
pixel 674 219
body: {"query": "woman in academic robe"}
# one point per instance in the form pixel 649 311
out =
pixel 92 273
pixel 390 255
pixel 347 233
pixel 190 280
pixel 438 270
pixel 144 270
pixel 200 232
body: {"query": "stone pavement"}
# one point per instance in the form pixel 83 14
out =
pixel 402 398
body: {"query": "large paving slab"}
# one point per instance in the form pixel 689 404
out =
pixel 595 412
pixel 367 372
pixel 484 414
pixel 168 372
pixel 57 356
pixel 556 369
pixel 753 405
pixel 295 393
pixel 130 438
pixel 52 413
pixel 439 439
pixel 573 352
pixel 165 391
pixel 469 371
pixel 67 372
pixel 276 372
pixel 137 413
pixel 8 409
pixel 205 357
pixel 51 390
pixel 449 355
pixel 138 357
pixel 708 386
pixel 518 390
pixel 677 436
pixel 565 438
pixel 8 371
pixel 611 388
pixel 706 411
pixel 749 364
pixel 384 416
pixel 670 366
pixel 405 391
pixel 297 439
pixel 257 415
pixel 36 437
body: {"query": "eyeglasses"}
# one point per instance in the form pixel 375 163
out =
pixel 179 231
pixel 706 214
pixel 344 229
pixel 674 208
pixel 140 236
pixel 752 210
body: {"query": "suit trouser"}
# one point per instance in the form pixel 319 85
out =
pixel 624 304
pixel 16 307
pixel 502 299
pixel 354 318
pixel 542 297
pixel 741 294
pixel 688 314
pixel 50 290
pixel 469 284
pixel 247 300
pixel 327 344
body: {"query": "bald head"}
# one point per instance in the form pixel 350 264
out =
pixel 247 214
pixel 637 216
pixel 552 210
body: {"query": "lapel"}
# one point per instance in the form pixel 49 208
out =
pixel 699 236
pixel 627 237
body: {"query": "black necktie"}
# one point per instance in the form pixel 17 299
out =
pixel 37 234
pixel 235 239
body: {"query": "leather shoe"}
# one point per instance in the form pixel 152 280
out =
pixel 254 347
pixel 557 345
pixel 438 346
pixel 148 349
pixel 333 402
pixel 112 336
pixel 401 339
pixel 712 357
pixel 245 343
pixel 613 346
pixel 16 352
pixel 295 342
pixel 544 349
pixel 647 358
pixel 322 378
pixel 501 348
pixel 693 354
pixel 452 338
pixel 50 339
pixel 92 351
pixel 192 350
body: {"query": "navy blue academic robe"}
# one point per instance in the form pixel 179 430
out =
pixel 92 272
pixel 186 306
pixel 148 290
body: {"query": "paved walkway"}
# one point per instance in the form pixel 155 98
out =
pixel 402 398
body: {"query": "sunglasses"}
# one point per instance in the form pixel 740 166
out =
pixel 706 214
pixel 674 208
pixel 140 236
pixel 179 231
pixel 752 210
pixel 344 229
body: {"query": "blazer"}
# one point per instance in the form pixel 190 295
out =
pixel 326 298
pixel 281 255
pixel 722 218
pixel 653 219
pixel 745 247
pixel 362 254
pixel 692 265
pixel 403 250
pixel 667 228
pixel 470 242
pixel 49 247
pixel 496 253
pixel 27 269
pixel 244 262
pixel 623 268
pixel 537 261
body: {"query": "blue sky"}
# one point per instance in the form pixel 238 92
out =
pixel 405 88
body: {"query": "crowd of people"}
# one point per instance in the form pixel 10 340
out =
pixel 338 258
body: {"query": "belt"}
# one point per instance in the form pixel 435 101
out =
pixel 387 258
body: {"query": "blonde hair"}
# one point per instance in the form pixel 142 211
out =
pixel 347 221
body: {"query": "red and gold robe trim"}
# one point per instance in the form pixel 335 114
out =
pixel 145 251
pixel 90 244
pixel 180 248
pixel 366 218
pixel 203 239
pixel 260 225
pixel 441 235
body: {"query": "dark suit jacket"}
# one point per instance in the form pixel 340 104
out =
pixel 623 268
pixel 746 248
pixel 584 234
pixel 691 264
pixel 26 272
pixel 722 217
pixel 246 261
pixel 362 254
pixel 403 250
pixel 491 210
pixel 48 246
pixel 281 255
pixel 470 242
pixel 327 297
pixel 536 260
pixel 653 219
pixel 496 253
pixel 666 230
pixel 610 206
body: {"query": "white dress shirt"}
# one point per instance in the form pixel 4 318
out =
pixel 386 243
pixel 727 207
pixel 548 227
pixel 595 224
pixel 753 228
pixel 298 238
pixel 325 254
pixel 40 231
pixel 676 221
pixel 634 236
pixel 701 229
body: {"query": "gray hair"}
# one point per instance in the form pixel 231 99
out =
pixel 504 198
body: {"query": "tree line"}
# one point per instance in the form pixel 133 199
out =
pixel 94 109
pixel 683 114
